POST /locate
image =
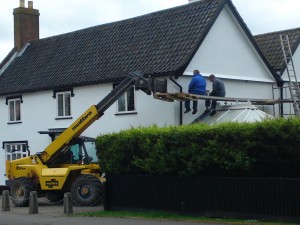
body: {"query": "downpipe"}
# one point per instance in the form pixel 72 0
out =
pixel 180 104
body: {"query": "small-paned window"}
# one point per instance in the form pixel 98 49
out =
pixel 63 104
pixel 14 110
pixel 126 103
pixel 15 150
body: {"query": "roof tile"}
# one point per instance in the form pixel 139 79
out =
pixel 158 43
pixel 270 45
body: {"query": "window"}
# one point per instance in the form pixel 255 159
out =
pixel 14 110
pixel 126 101
pixel 15 150
pixel 64 104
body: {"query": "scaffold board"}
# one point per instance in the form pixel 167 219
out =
pixel 181 96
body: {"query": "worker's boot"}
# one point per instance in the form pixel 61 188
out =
pixel 187 110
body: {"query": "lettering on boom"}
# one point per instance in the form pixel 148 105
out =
pixel 82 119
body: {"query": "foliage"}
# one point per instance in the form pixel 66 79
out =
pixel 265 149
pixel 162 215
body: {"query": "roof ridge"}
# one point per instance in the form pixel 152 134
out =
pixel 191 4
pixel 278 31
pixel 127 19
pixel 157 43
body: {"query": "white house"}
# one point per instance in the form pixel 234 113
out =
pixel 48 83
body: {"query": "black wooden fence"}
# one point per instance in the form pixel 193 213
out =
pixel 204 195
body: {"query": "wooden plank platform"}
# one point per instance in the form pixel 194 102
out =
pixel 181 96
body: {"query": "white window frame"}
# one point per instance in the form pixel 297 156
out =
pixel 14 113
pixel 123 100
pixel 15 150
pixel 65 113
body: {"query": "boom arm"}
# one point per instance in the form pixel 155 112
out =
pixel 62 142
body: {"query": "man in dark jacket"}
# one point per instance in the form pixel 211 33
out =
pixel 197 86
pixel 218 89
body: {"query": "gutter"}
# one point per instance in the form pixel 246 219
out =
pixel 281 104
pixel 180 106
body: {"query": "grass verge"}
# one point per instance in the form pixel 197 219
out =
pixel 178 217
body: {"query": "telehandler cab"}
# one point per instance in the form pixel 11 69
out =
pixel 69 163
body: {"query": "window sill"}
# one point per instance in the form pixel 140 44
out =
pixel 125 113
pixel 14 122
pixel 64 118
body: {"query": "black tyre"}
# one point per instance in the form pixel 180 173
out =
pixel 20 191
pixel 87 190
pixel 55 196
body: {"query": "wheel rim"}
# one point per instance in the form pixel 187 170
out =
pixel 20 192
pixel 85 191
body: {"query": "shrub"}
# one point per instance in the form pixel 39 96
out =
pixel 265 149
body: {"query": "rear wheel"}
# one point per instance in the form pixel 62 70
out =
pixel 20 191
pixel 87 190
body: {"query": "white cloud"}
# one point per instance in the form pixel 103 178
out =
pixel 61 16
pixel 263 16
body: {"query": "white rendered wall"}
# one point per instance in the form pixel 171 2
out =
pixel 228 53
pixel 38 112
pixel 296 61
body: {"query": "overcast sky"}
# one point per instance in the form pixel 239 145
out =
pixel 62 16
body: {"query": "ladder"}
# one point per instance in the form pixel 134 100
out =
pixel 293 83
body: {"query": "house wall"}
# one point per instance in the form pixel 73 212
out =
pixel 296 61
pixel 38 113
pixel 228 53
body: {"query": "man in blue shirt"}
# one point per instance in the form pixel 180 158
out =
pixel 197 86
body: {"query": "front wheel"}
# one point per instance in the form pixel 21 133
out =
pixel 87 190
pixel 20 191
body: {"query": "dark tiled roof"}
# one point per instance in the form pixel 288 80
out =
pixel 271 46
pixel 160 44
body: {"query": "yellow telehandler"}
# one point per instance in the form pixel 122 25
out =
pixel 69 163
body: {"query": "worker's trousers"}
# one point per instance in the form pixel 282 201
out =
pixel 213 103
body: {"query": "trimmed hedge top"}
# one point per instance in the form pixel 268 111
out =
pixel 264 149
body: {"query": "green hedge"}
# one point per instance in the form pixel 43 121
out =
pixel 263 149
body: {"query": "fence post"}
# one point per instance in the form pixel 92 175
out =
pixel 33 203
pixel 68 206
pixel 105 196
pixel 5 201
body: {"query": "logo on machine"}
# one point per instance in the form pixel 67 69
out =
pixel 20 168
pixel 82 119
pixel 51 183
